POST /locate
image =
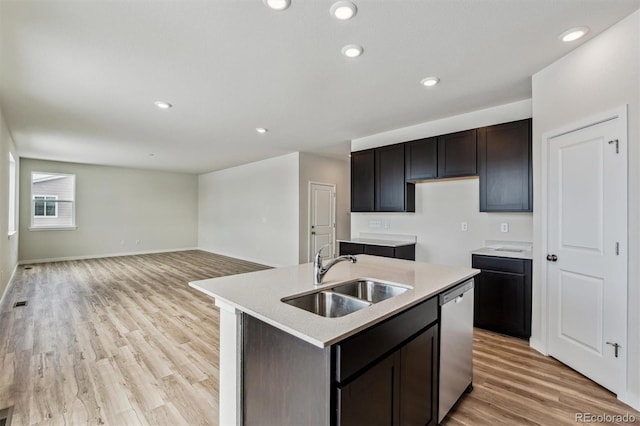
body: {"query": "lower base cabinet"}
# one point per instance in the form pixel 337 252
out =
pixel 384 375
pixel 398 390
pixel 407 252
pixel 503 295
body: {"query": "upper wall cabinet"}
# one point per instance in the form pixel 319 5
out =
pixel 378 181
pixel 504 162
pixel 422 159
pixel 457 154
pixel 362 181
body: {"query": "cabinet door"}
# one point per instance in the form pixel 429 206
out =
pixel 504 161
pixel 379 250
pixel 390 184
pixel 418 397
pixel 371 397
pixel 351 248
pixel 362 181
pixel 457 154
pixel 502 303
pixel 422 159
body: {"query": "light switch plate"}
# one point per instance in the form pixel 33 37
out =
pixel 464 226
pixel 504 227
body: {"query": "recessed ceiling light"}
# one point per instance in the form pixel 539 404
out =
pixel 162 104
pixel 277 4
pixel 152 155
pixel 430 81
pixel 343 10
pixel 261 130
pixel 573 34
pixel 352 51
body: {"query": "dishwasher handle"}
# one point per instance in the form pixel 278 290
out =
pixel 456 293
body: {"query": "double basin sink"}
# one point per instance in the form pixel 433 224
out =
pixel 345 298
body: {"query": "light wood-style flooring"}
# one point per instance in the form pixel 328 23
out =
pixel 125 341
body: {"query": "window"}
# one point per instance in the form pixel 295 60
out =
pixel 12 195
pixel 53 201
pixel 45 206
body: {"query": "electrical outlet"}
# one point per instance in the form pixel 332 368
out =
pixel 137 242
pixel 504 227
pixel 121 242
pixel 464 227
pixel 387 224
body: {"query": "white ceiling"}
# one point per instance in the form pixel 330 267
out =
pixel 79 78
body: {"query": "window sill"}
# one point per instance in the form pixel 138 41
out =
pixel 53 228
pixel 12 234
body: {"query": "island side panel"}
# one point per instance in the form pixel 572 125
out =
pixel 286 381
pixel 230 365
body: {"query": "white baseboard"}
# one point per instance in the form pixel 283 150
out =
pixel 246 259
pixel 98 256
pixel 9 283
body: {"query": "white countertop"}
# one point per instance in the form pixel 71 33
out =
pixel 512 249
pixel 378 242
pixel 259 294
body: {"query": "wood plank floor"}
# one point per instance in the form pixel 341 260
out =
pixel 125 341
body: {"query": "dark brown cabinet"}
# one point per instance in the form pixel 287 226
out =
pixel 383 375
pixel 457 154
pixel 378 182
pixel 362 181
pixel 399 387
pixel 402 252
pixel 504 161
pixel 502 300
pixel 421 159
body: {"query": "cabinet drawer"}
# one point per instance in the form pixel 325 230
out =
pixel 379 251
pixel 351 248
pixel 357 352
pixel 501 264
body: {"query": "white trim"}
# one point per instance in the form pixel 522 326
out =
pixel 98 256
pixel 12 234
pixel 246 259
pixel 9 284
pixel 53 228
pixel 542 344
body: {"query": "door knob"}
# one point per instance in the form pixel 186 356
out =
pixel 313 232
pixel 552 257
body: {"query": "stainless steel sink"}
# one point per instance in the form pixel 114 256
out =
pixel 372 291
pixel 327 303
pixel 345 298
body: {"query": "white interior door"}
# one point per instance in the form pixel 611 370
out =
pixel 322 220
pixel 586 242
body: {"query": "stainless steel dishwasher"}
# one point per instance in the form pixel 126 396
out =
pixel 456 341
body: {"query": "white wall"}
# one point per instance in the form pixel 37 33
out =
pixel 600 75
pixel 8 245
pixel 251 211
pixel 442 205
pixel 114 208
pixel 316 168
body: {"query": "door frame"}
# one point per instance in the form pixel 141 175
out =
pixel 335 219
pixel 616 113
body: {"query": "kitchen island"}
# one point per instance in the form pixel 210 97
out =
pixel 273 354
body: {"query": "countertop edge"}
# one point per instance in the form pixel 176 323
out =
pixel 379 242
pixel 323 344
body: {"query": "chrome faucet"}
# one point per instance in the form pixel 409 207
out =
pixel 320 270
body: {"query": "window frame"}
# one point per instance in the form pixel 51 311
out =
pixel 58 200
pixel 12 227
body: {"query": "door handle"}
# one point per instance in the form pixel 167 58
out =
pixel 552 258
pixel 615 346
pixel 313 232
